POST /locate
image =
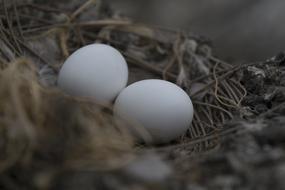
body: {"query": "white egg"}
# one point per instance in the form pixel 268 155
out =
pixel 162 108
pixel 96 71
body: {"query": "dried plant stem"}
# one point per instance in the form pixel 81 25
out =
pixel 168 66
pixel 10 27
pixel 222 77
pixel 40 8
pixel 18 19
pixel 140 63
pixel 214 106
pixel 63 37
pixel 210 137
pixel 216 90
pixel 242 89
pixel 76 13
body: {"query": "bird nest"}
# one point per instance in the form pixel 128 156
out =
pixel 41 125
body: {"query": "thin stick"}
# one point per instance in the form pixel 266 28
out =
pixel 87 24
pixel 168 66
pixel 229 92
pixel 226 132
pixel 63 43
pixel 34 53
pixel 216 89
pixel 216 60
pixel 208 116
pixel 5 40
pixel 147 66
pixel 214 106
pixel 81 9
pixel 80 36
pixel 18 19
pixel 201 127
pixel 242 88
pixel 10 28
pixel 40 8
pixel 231 71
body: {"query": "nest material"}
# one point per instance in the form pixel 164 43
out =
pixel 150 51
pixel 43 131
pixel 47 35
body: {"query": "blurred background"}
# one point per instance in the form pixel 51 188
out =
pixel 243 30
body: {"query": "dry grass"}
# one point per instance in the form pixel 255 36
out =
pixel 43 127
pixel 38 122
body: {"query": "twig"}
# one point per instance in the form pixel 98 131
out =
pixel 208 116
pixel 200 124
pixel 216 89
pixel 14 2
pixel 10 27
pixel 63 36
pixel 230 92
pixel 149 67
pixel 168 66
pixel 81 9
pixel 5 38
pixel 201 78
pixel 216 60
pixel 222 77
pixel 193 128
pixel 44 21
pixel 214 106
pixel 217 135
pixel 40 8
pixel 6 51
pixel 80 36
pixel 237 84
pixel 34 53
pixel 87 24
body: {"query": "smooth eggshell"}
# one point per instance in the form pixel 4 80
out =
pixel 96 71
pixel 161 107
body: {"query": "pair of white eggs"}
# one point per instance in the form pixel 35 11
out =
pixel 100 72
